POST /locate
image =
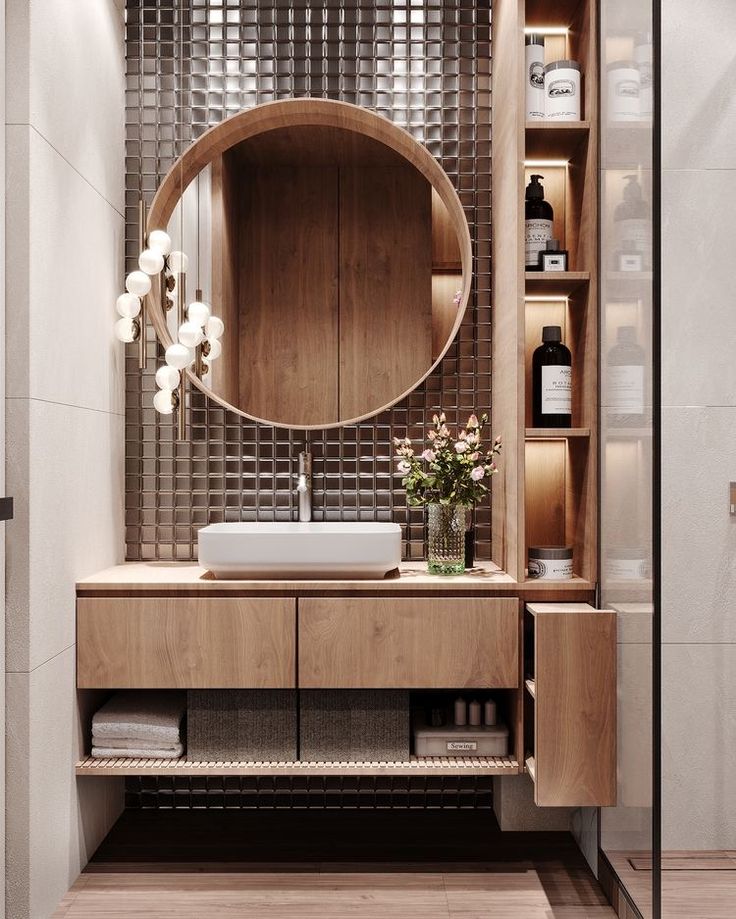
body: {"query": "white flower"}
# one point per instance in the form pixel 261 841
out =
pixel 461 446
pixel 404 467
pixel 477 473
pixel 429 455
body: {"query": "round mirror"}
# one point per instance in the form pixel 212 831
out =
pixel 335 249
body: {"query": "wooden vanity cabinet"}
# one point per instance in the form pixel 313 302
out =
pixel 406 642
pixel 186 642
pixel 571 678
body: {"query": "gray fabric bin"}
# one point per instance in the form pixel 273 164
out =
pixel 353 725
pixel 236 725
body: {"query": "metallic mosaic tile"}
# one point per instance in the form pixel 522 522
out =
pixel 190 64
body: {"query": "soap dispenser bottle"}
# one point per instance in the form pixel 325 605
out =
pixel 633 223
pixel 552 381
pixel 538 223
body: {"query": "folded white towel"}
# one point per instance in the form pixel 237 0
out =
pixel 128 742
pixel 137 753
pixel 133 715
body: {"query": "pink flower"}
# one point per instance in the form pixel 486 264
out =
pixel 477 473
pixel 404 467
pixel 472 421
pixel 457 298
pixel 475 456
pixel 432 434
pixel 461 447
pixel 497 441
pixel 429 455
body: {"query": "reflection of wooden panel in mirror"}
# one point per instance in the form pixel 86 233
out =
pixel 225 373
pixel 288 265
pixel 385 284
pixel 445 244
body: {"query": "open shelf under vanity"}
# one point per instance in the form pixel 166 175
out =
pixel 415 765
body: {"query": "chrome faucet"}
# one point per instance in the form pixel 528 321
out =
pixel 304 487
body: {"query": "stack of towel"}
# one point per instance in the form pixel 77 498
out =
pixel 140 724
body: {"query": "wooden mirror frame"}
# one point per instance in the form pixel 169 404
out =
pixel 308 112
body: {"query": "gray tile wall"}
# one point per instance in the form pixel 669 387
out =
pixel 190 64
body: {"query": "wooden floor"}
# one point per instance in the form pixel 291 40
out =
pixel 336 866
pixel 695 885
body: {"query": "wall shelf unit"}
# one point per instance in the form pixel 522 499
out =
pixel 547 490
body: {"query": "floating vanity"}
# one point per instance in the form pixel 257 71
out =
pixel 173 625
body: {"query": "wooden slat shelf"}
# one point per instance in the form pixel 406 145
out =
pixel 531 768
pixel 417 765
pixel 531 688
pixel 554 139
pixel 554 283
pixel 556 433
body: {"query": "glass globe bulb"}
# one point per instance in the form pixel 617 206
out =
pixel 178 356
pixel 215 349
pixel 151 261
pixel 198 313
pixel 128 305
pixel 167 377
pixel 178 262
pixel 138 283
pixel 214 327
pixel 190 334
pixel 126 329
pixel 163 402
pixel 159 240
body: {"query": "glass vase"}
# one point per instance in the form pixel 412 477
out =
pixel 446 549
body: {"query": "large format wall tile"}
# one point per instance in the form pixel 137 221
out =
pixel 49 812
pixel 698 101
pixel 699 746
pixel 65 256
pixel 67 61
pixel 699 558
pixel 66 471
pixel 699 323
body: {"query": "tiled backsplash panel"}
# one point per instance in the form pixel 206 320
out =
pixel 190 64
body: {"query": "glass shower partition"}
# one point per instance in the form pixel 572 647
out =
pixel 628 426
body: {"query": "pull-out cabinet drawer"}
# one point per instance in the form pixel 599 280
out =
pixel 186 643
pixel 395 643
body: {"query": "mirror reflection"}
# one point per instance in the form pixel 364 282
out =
pixel 335 265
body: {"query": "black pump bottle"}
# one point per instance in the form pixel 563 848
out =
pixel 552 381
pixel 538 217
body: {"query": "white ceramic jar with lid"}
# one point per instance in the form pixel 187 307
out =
pixel 550 563
pixel 562 87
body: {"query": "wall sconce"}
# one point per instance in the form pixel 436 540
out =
pixel 197 341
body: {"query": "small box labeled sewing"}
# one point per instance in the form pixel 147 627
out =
pixel 452 740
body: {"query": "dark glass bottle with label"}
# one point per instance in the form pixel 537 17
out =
pixel 538 218
pixel 552 381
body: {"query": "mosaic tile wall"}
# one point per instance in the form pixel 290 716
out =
pixel 192 63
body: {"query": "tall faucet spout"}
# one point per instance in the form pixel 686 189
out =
pixel 304 487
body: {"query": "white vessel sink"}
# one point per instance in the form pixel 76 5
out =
pixel 300 550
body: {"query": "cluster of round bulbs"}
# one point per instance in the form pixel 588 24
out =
pixel 199 328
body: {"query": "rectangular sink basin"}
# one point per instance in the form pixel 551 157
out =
pixel 300 550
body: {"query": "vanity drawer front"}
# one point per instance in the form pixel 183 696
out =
pixel 187 643
pixel 408 643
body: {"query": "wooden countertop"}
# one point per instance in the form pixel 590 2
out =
pixel 187 578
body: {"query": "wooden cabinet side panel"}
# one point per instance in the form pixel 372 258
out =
pixel 575 711
pixel 408 643
pixel 154 643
